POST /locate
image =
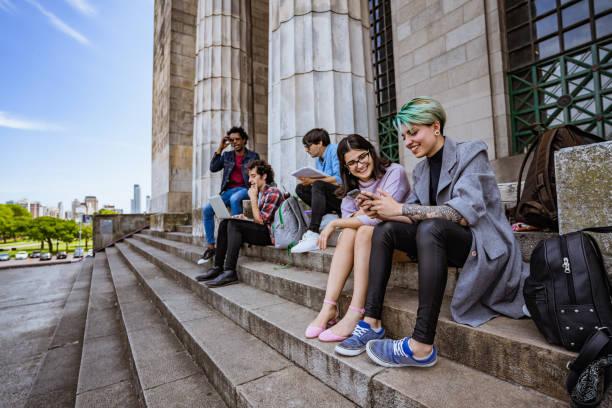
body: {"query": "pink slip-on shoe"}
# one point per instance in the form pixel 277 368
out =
pixel 329 336
pixel 313 332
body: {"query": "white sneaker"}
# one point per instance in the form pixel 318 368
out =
pixel 308 243
pixel 202 261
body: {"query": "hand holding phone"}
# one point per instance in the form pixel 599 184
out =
pixel 353 193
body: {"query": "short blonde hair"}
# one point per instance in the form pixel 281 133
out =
pixel 422 110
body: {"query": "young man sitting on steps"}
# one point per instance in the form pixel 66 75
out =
pixel 234 185
pixel 233 232
pixel 320 193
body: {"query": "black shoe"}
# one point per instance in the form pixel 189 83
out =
pixel 210 274
pixel 226 278
pixel 207 256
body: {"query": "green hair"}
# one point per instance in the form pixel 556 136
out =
pixel 421 110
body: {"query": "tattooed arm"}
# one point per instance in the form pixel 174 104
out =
pixel 423 212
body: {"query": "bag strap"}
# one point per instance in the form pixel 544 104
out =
pixel 520 179
pixel 589 352
pixel 542 164
pixel 601 230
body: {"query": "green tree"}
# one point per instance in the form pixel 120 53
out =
pixel 87 234
pixel 67 232
pixel 18 211
pixel 44 229
pixel 6 222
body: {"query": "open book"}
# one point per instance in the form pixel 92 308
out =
pixel 309 172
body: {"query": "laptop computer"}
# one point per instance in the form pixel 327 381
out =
pixel 219 207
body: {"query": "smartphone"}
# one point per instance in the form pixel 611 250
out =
pixel 353 193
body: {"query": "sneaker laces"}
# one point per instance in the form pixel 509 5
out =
pixel 398 348
pixel 359 331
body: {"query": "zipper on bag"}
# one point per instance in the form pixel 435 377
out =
pixel 567 270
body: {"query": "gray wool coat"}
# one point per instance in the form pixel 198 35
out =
pixel 491 280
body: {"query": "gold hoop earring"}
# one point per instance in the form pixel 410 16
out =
pixel 437 133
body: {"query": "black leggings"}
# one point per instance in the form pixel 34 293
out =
pixel 321 198
pixel 436 244
pixel 232 234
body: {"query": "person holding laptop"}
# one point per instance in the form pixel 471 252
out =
pixel 234 185
pixel 319 193
pixel 233 232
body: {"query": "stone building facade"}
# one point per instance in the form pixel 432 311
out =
pixel 502 69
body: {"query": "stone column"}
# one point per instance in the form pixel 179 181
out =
pixel 319 76
pixel 222 92
pixel 173 73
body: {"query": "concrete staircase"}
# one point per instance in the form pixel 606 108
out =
pixel 243 345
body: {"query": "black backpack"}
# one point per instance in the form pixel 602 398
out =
pixel 567 292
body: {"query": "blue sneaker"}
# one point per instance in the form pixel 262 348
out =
pixel 396 353
pixel 356 344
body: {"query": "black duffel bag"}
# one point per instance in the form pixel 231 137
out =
pixel 567 292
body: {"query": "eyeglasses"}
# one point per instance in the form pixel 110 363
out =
pixel 360 159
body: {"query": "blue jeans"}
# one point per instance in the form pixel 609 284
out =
pixel 232 197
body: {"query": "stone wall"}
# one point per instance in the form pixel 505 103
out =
pixel 584 191
pixel 452 50
pixel 108 228
pixel 173 75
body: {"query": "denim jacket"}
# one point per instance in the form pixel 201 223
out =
pixel 226 162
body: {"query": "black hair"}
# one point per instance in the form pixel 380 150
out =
pixel 262 167
pixel 357 142
pixel 316 135
pixel 240 131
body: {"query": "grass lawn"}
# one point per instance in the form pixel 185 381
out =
pixel 30 246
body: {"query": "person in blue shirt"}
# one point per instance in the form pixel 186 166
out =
pixel 319 193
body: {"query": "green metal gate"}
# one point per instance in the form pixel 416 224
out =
pixel 571 89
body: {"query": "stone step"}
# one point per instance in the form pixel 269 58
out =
pixel 57 378
pixel 280 324
pixel 496 340
pixel 527 240
pixel 403 275
pixel 241 367
pixel 163 372
pixel 307 288
pixel 104 375
pixel 185 229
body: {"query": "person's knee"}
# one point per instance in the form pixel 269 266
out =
pixel 383 233
pixel 431 229
pixel 318 185
pixel 236 200
pixel 364 235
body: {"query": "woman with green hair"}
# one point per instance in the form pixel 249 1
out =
pixel 453 217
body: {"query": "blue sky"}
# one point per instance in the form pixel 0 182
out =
pixel 75 100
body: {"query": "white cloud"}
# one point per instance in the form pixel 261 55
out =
pixel 7 5
pixel 82 6
pixel 59 24
pixel 13 122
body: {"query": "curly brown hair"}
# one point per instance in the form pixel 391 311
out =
pixel 262 167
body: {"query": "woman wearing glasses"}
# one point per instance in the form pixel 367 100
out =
pixel 362 170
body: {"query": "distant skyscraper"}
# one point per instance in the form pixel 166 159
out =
pixel 36 209
pixel 75 204
pixel 91 203
pixel 148 204
pixel 60 210
pixel 136 200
